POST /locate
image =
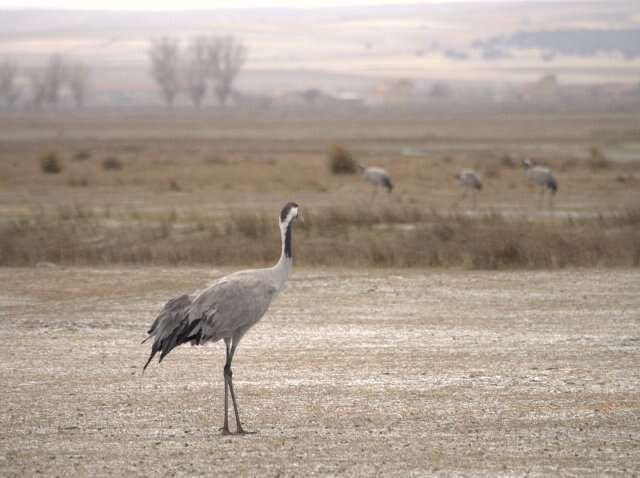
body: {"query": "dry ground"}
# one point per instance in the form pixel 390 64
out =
pixel 209 163
pixel 352 373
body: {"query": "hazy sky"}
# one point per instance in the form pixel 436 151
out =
pixel 202 4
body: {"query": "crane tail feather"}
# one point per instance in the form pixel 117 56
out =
pixel 183 332
pixel 154 351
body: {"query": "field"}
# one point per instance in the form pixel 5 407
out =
pixel 183 188
pixel 351 373
pixel 213 161
pixel 419 335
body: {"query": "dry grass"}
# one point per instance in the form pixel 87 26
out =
pixel 193 163
pixel 338 236
pixel 203 170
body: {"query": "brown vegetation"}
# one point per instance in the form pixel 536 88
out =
pixel 50 163
pixel 597 159
pixel 205 170
pixel 384 237
pixel 112 164
pixel 341 161
pixel 82 155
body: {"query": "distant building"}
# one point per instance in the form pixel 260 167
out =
pixel 318 100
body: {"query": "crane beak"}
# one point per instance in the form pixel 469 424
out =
pixel 300 217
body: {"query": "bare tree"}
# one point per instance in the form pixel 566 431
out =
pixel 197 69
pixel 227 57
pixel 55 75
pixel 164 54
pixel 8 89
pixel 78 77
pixel 37 88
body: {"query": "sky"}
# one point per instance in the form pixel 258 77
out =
pixel 204 4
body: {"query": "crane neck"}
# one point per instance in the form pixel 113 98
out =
pixel 283 266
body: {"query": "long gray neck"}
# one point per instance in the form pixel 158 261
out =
pixel 283 266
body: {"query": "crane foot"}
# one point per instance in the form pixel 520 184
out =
pixel 242 431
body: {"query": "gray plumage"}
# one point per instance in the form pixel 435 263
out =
pixel 226 309
pixel 377 177
pixel 541 177
pixel 470 181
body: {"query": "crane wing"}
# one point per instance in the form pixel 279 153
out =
pixel 232 304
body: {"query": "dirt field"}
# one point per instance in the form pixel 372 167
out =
pixel 358 373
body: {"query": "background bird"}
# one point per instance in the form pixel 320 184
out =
pixel 227 309
pixel 377 177
pixel 470 181
pixel 541 177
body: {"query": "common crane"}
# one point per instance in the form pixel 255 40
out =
pixel 542 177
pixel 226 310
pixel 470 181
pixel 377 177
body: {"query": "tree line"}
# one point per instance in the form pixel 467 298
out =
pixel 207 63
pixel 44 85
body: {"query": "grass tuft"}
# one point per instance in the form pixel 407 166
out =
pixel 50 163
pixel 341 161
pixel 112 163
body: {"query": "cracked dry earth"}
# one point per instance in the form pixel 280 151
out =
pixel 351 373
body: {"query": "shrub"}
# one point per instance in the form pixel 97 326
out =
pixel 341 161
pixel 597 159
pixel 112 163
pixel 506 161
pixel 50 163
pixel 82 155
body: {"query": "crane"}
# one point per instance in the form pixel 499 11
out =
pixel 225 310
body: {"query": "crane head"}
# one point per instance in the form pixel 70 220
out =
pixel 290 212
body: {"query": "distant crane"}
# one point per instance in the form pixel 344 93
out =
pixel 377 177
pixel 470 181
pixel 543 178
pixel 226 310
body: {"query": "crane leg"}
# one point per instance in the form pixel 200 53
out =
pixel 541 201
pixel 229 375
pixel 225 426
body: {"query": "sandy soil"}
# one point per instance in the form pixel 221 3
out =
pixel 367 373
